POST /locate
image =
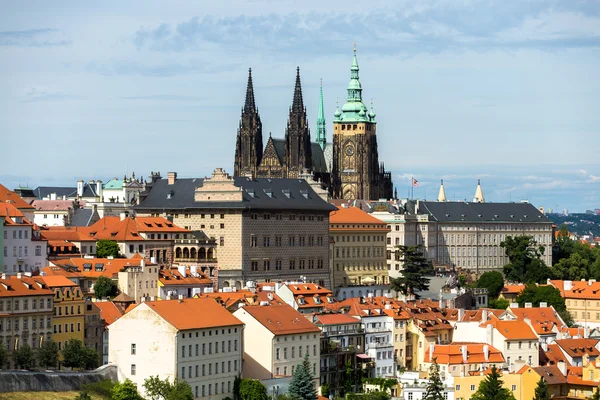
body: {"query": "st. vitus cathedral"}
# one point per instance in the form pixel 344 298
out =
pixel 349 167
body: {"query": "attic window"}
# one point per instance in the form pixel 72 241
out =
pixel 98 267
pixel 269 192
pixel 250 192
pixel 113 234
pixel 304 193
pixel 286 192
pixel 134 234
pixel 148 225
pixel 87 266
pixel 169 225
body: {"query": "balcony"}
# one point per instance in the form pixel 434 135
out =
pixel 356 331
pixel 336 348
pixel 196 260
pixel 376 345
pixel 378 330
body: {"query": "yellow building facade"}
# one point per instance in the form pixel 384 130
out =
pixel 522 384
pixel 69 310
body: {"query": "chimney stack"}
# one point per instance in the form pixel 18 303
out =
pixel 171 178
pixel 80 188
pixel 100 191
pixel 562 366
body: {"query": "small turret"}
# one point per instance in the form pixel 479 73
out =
pixel 478 194
pixel 442 193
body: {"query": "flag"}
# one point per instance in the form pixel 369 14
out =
pixel 415 182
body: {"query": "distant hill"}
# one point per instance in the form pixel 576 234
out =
pixel 580 224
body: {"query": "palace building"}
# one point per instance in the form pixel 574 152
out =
pixel 348 167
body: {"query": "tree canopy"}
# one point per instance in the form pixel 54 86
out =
pixel 491 388
pixel 157 389
pixel 107 248
pixel 525 263
pixel 414 267
pixel 24 357
pixel 105 287
pixel 76 355
pixel 125 390
pixel 302 384
pixel 252 389
pixel 541 390
pixel 435 387
pixel 493 281
pixel 575 260
pixel 47 354
pixel 3 356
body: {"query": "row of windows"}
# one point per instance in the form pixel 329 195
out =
pixel 197 371
pixel 22 251
pixel 356 238
pixel 353 252
pixel 20 233
pixel 585 315
pixel 364 267
pixel 208 349
pixel 293 352
pixel 291 217
pixel 277 241
pixel 278 370
pixel 5 323
pixel 582 303
pixel 59 310
pixel 5 305
pixel 58 328
pixel 293 263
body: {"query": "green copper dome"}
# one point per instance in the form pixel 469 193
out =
pixel 354 110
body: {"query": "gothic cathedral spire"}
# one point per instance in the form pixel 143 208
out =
pixel 249 145
pixel 298 152
pixel 321 124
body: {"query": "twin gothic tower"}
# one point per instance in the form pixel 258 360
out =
pixel 348 167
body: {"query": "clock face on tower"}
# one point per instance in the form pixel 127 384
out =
pixel 349 150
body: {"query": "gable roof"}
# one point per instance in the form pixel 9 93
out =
pixel 84 217
pixel 335 319
pixel 578 289
pixel 281 319
pixel 12 214
pixel 551 374
pixel 542 319
pixel 109 311
pixel 195 313
pixel 257 194
pixel 8 196
pixel 513 330
pixel 458 211
pixel 452 354
pixel 355 216
pixel 42 192
pixel 578 347
pixel 14 286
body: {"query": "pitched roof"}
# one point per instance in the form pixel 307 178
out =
pixel 542 319
pixel 12 214
pixel 232 300
pixel 8 196
pixel 83 217
pixel 551 374
pixel 512 289
pixel 25 286
pixel 281 319
pixel 52 205
pixel 195 313
pixel 123 298
pixel 458 211
pixel 355 216
pixel 452 354
pixel 130 228
pixel 552 356
pixel 42 192
pixel 70 272
pixel 578 290
pixel 579 347
pixel 109 311
pixel 513 330
pixel 96 267
pixel 335 319
pixel 172 276
pixel 285 194
pixel 54 281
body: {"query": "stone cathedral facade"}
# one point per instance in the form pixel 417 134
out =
pixel 348 167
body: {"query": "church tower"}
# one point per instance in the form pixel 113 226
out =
pixel 356 172
pixel 297 151
pixel 249 145
pixel 321 124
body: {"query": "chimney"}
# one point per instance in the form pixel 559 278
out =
pixel 484 315
pixel 19 275
pixel 3 275
pixel 486 352
pixel 567 285
pixel 528 305
pixel 171 178
pixel 461 314
pixel 543 304
pixel 52 196
pixel 270 296
pixel 100 190
pixel 562 366
pixel 142 263
pixel 431 349
pixel 463 350
pixel 80 188
pixel 514 305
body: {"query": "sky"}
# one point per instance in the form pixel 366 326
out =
pixel 507 92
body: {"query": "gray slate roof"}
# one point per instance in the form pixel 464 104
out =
pixel 482 212
pixel 258 194
pixel 82 217
pixel 45 191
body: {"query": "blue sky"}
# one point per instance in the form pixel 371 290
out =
pixel 503 91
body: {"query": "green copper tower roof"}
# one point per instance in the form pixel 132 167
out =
pixel 321 131
pixel 354 110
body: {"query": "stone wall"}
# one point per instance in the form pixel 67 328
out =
pixel 25 381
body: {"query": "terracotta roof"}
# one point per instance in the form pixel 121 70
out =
pixel 172 276
pixel 513 330
pixel 54 281
pixel 123 298
pixel 71 272
pixel 452 354
pixel 96 267
pixel 11 213
pixel 195 313
pixel 513 289
pixel 52 205
pixel 477 315
pixel 24 286
pixel 109 311
pixel 579 289
pixel 231 300
pixel 355 216
pixel 281 319
pixel 552 356
pixel 575 377
pixel 130 228
pixel 542 319
pixel 335 319
pixel 8 196
pixel 579 347
pixel 551 374
pixel 307 288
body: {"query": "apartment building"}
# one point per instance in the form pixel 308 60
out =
pixel 26 308
pixel 358 255
pixel 461 358
pixel 276 339
pixel 266 229
pixel 195 340
pixel 23 248
pixel 582 299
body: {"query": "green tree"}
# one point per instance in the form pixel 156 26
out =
pixel 252 389
pixel 536 294
pixel 325 389
pixel 541 391
pixel 91 359
pixel 493 281
pixel 3 356
pixel 498 304
pixel 302 384
pixel 74 354
pixel 525 263
pixel 107 248
pixel 125 390
pixel 105 287
pixel 83 396
pixel 491 388
pixel 24 357
pixel 435 387
pixel 157 389
pixel 47 354
pixel 596 395
pixel 414 266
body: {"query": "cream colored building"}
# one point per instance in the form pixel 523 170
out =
pixel 139 280
pixel 358 249
pixel 582 299
pixel 276 339
pixel 265 229
pixel 195 340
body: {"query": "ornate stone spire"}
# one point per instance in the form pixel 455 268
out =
pixel 321 124
pixel 478 194
pixel 442 193
pixel 354 110
pixel 298 104
pixel 249 105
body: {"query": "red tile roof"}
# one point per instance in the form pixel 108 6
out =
pixel 553 355
pixel 335 319
pixel 109 311
pixel 195 313
pixel 53 205
pixel 513 289
pixel 8 196
pixel 542 319
pixel 55 281
pixel 355 216
pixel 281 319
pixel 551 374
pixel 173 277
pixel 452 354
pixel 24 286
pixel 579 289
pixel 579 347
pixel 513 330
pixel 96 267
pixel 11 214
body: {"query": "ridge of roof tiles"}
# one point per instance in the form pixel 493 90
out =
pixel 281 319
pixel 354 215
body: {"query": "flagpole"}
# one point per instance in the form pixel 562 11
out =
pixel 412 187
